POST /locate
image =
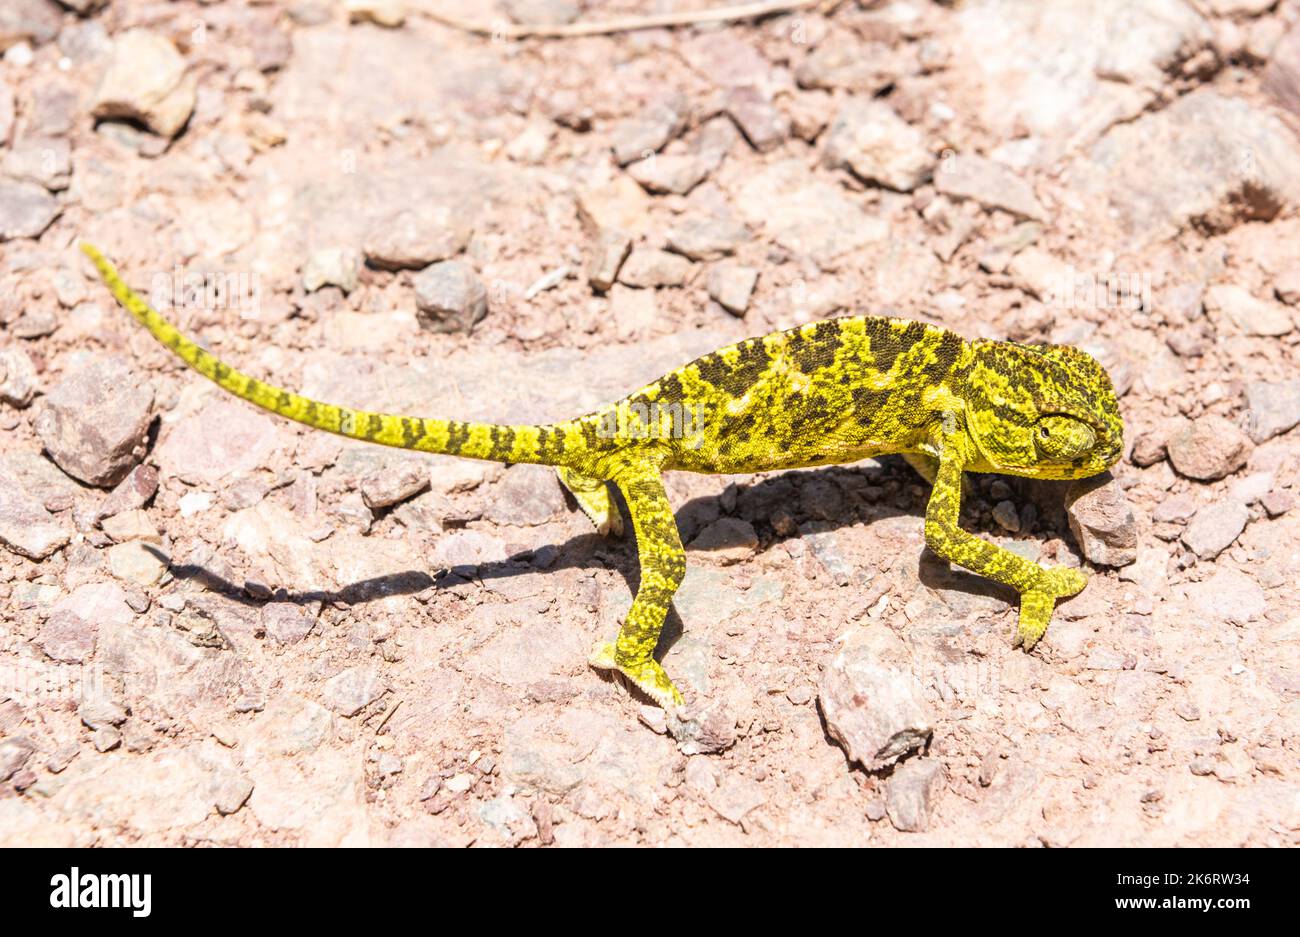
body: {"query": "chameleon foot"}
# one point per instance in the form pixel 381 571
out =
pixel 1037 603
pixel 647 675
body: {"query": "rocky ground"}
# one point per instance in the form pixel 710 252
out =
pixel 220 628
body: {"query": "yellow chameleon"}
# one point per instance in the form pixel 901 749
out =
pixel 825 393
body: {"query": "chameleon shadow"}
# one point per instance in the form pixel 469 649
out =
pixel 755 501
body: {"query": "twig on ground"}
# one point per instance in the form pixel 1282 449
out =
pixel 389 715
pixel 743 11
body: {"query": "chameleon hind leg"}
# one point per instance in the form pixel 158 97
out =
pixel 1039 588
pixel 592 495
pixel 663 564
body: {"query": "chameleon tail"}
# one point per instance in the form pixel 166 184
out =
pixel 556 444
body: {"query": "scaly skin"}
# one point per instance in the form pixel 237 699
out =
pixel 830 392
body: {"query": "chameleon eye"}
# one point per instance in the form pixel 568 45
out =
pixel 1062 438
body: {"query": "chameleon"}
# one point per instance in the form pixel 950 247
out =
pixel 829 392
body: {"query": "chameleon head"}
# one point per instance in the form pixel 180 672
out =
pixel 1043 411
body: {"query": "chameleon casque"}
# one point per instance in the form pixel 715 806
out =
pixel 829 392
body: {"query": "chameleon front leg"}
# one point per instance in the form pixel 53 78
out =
pixel 663 564
pixel 1039 588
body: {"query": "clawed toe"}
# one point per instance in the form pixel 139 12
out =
pixel 1037 604
pixel 647 675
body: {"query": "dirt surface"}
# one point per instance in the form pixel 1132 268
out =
pixel 221 628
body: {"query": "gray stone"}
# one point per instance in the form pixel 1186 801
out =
pixel 32 21
pixel 914 791
pixel 1277 502
pixel 607 256
pixel 137 561
pixel 854 65
pixel 225 438
pixel 1273 407
pixel 736 796
pixel 14 752
pixel 1149 448
pixel 708 238
pixel 26 527
pixel 146 81
pixel 825 541
pixel 350 691
pixel 1228 596
pixel 1061 73
pixel 332 266
pixel 1208 448
pixel 57 107
pixel 704 731
pixel 806 215
pixel 618 205
pixel 1003 249
pixel 17 377
pixel 101 712
pixel 47 161
pixel 967 176
pixel 646 268
pixel 26 209
pixel 286 622
pixel 130 525
pixel 714 140
pixel 676 173
pixel 1041 274
pixel 93 423
pixel 469 548
pixel 871 701
pixel 729 58
pixel 763 125
pixel 878 146
pixel 1102 521
pixel 728 540
pixel 101 603
pixel 1252 488
pixel 526 495
pixel 395 483
pixel 40 477
pixel 228 791
pixel 1287 286
pixel 1251 315
pixel 731 285
pixel 647 133
pixel 1206 161
pixel 141 795
pixel 449 297
pixel 36 322
pixel 420 235
pixel 132 492
pixel 66 637
pixel 1006 516
pixel 1281 79
pixel 1215 528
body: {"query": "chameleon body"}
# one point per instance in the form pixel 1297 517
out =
pixel 829 392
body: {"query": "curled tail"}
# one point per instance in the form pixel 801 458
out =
pixel 556 444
